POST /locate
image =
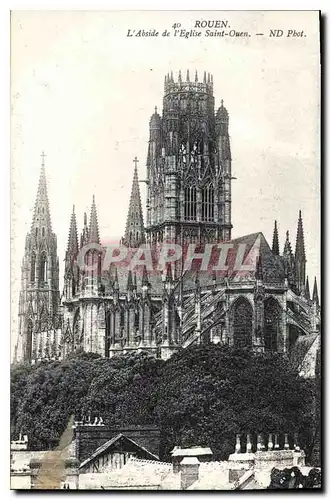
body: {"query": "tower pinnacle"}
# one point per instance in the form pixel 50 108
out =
pixel 94 226
pixel 300 257
pixel 72 248
pixel 134 230
pixel 307 289
pixel 315 293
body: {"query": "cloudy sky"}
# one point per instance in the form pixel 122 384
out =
pixel 83 92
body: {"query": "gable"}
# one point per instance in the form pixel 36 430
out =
pixel 117 451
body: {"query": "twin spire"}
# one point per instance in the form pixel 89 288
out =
pixel 90 233
pixel 296 264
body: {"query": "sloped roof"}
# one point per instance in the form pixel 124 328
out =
pixel 105 447
pixel 256 247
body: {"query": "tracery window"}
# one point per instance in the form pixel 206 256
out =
pixel 190 203
pixel 271 324
pixel 33 268
pixel 242 323
pixel 207 203
pixel 43 268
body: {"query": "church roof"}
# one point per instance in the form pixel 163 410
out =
pixel 255 248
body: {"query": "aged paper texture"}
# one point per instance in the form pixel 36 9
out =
pixel 165 256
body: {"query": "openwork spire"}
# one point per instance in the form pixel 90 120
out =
pixel 134 231
pixel 94 226
pixel 72 247
pixel 315 293
pixel 275 240
pixel 41 222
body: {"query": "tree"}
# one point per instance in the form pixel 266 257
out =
pixel 203 395
pixel 208 394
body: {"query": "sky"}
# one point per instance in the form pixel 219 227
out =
pixel 83 92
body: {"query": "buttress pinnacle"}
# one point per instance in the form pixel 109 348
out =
pixel 275 241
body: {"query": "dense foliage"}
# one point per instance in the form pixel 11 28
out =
pixel 202 395
pixel 293 478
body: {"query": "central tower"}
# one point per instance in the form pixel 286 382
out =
pixel 189 166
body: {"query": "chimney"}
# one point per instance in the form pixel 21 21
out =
pixel 189 472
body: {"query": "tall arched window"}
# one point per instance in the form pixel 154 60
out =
pixel 272 318
pixel 43 268
pixel 242 323
pixel 207 203
pixel 190 203
pixel 136 320
pixel 33 268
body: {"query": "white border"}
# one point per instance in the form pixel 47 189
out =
pixel 5 7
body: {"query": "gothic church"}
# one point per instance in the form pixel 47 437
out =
pixel 188 180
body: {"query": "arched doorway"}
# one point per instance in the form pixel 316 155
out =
pixel 242 323
pixel 272 324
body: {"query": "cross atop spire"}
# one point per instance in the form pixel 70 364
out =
pixel 43 156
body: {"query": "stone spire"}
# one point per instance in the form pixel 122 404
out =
pixel 288 259
pixel 134 232
pixel 300 243
pixel 41 221
pixel 307 289
pixel 39 299
pixel 72 248
pixel 94 226
pixel 300 257
pixel 315 293
pixel 275 241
